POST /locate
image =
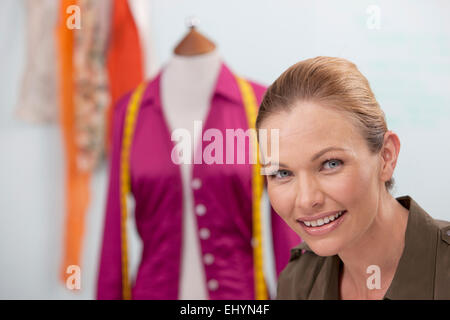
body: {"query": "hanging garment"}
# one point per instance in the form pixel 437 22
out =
pixel 106 45
pixel 38 98
pixel 226 201
pixel 91 82
pixel 141 10
pixel 77 182
pixel 124 57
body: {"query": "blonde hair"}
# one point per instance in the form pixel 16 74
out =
pixel 334 82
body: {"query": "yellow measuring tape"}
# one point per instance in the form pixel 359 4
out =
pixel 251 109
pixel 127 138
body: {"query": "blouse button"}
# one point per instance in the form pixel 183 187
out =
pixel 213 284
pixel 200 209
pixel 204 233
pixel 208 259
pixel 196 184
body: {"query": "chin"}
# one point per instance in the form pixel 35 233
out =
pixel 324 248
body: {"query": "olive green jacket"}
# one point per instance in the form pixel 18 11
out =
pixel 423 271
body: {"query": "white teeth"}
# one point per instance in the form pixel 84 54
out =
pixel 322 221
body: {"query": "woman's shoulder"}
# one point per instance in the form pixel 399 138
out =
pixel 442 277
pixel 298 277
pixel 444 227
pixel 444 239
pixel 426 256
pixel 425 222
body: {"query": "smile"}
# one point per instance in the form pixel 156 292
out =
pixel 323 225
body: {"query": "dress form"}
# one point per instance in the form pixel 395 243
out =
pixel 187 85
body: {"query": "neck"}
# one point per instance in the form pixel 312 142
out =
pixel 192 77
pixel 381 245
pixel 195 67
pixel 188 83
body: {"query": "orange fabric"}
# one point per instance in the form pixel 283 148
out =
pixel 125 59
pixel 77 183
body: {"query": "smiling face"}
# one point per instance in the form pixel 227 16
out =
pixel 310 186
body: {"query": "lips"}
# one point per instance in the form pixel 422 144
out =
pixel 323 225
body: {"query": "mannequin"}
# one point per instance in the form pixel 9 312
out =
pixel 187 86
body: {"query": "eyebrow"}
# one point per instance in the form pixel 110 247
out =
pixel 317 155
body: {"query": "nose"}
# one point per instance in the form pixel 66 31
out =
pixel 309 194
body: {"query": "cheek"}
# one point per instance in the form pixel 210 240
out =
pixel 281 198
pixel 354 189
pixel 349 187
pixel 341 188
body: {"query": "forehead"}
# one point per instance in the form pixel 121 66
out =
pixel 313 126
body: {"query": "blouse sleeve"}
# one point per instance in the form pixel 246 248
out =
pixel 109 282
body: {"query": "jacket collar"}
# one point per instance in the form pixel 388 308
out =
pixel 414 277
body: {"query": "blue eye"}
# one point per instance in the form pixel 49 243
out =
pixel 280 174
pixel 334 163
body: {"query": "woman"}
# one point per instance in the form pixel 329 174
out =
pixel 332 187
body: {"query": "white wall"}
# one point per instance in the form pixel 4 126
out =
pixel 407 62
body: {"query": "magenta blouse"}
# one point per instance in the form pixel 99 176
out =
pixel 222 203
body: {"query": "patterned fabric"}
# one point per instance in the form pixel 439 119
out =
pixel 91 82
pixel 38 99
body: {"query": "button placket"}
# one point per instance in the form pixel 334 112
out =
pixel 204 233
pixel 196 184
pixel 208 259
pixel 200 209
pixel 213 284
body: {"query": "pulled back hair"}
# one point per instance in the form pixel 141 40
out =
pixel 334 82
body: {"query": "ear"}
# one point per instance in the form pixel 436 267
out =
pixel 389 155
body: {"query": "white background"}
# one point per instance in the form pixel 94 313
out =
pixel 407 62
